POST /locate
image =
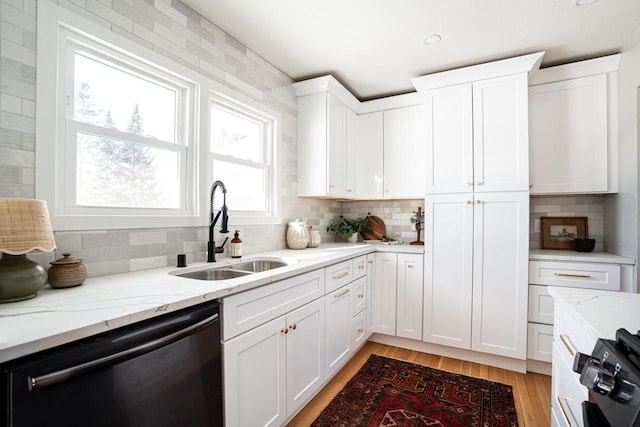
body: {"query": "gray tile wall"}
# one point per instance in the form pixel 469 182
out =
pixel 396 215
pixel 171 28
pixel 590 206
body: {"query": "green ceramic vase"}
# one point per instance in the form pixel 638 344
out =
pixel 20 278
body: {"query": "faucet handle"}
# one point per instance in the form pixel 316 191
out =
pixel 220 249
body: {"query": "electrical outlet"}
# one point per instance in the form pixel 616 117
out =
pixel 536 226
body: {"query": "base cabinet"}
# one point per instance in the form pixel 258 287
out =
pixel 338 338
pixel 476 272
pixel 276 367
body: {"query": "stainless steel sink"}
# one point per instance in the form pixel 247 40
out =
pixel 232 271
pixel 258 265
pixel 214 274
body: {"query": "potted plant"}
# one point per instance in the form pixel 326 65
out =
pixel 348 228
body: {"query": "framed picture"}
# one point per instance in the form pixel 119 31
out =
pixel 559 232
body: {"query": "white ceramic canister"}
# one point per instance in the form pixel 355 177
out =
pixel 297 235
pixel 314 238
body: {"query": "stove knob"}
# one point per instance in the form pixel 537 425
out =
pixel 597 379
pixel 623 393
pixel 582 359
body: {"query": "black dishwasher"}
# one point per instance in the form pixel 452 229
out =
pixel 165 371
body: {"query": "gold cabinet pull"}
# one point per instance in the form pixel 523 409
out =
pixel 343 293
pixel 360 266
pixel 340 276
pixel 566 410
pixel 410 265
pixel 478 201
pixel 479 182
pixel 566 340
pixel 469 202
pixel 581 276
pixel 370 261
pixel 284 330
pixel 360 330
pixel 469 183
pixel 360 296
pixel 293 326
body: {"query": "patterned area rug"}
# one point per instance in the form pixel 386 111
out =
pixel 389 392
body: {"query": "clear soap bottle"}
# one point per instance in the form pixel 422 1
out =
pixel 236 246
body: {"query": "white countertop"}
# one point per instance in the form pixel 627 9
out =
pixel 599 257
pixel 59 316
pixel 603 311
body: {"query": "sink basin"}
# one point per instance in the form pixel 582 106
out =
pixel 232 271
pixel 257 266
pixel 214 274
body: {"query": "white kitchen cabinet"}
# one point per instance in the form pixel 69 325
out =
pixel 384 293
pixel 271 370
pixel 573 128
pixel 404 152
pixel 476 272
pixel 368 164
pixel 477 136
pixel 409 296
pixel 326 128
pixel 338 328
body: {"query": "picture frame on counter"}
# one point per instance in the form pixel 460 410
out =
pixel 560 232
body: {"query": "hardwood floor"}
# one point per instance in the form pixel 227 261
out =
pixel 532 392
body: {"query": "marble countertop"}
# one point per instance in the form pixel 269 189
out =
pixel 59 316
pixel 603 311
pixel 599 257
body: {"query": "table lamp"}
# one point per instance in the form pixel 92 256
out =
pixel 24 227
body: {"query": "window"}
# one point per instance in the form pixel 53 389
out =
pixel 241 152
pixel 127 138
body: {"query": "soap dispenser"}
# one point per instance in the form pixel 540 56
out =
pixel 236 245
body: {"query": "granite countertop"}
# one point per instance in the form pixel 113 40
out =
pixel 59 316
pixel 598 257
pixel 603 311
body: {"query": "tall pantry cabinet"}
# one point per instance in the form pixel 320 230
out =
pixel 477 207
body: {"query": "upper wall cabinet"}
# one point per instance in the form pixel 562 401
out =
pixel 326 129
pixel 573 128
pixel 477 136
pixel 369 167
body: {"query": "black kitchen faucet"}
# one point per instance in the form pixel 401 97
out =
pixel 212 249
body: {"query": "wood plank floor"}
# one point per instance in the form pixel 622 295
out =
pixel 532 392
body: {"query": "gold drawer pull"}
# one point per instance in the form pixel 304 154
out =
pixel 566 340
pixel 343 293
pixel 294 326
pixel 340 276
pixel 360 296
pixel 360 330
pixel 284 330
pixel 566 411
pixel 370 261
pixel 360 266
pixel 582 276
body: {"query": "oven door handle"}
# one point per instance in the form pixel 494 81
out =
pixel 46 380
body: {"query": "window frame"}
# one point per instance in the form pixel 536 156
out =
pixel 52 130
pixel 268 163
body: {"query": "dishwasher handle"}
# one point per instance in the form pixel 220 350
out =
pixel 46 380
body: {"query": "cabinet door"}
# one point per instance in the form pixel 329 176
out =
pixel 568 136
pixel 501 134
pixel 384 293
pixel 313 124
pixel 359 297
pixel 351 155
pixel 337 147
pixel 255 376
pixel 358 330
pixel 305 353
pixel 338 327
pixel 500 273
pixel 368 148
pixel 449 151
pixel 404 148
pixel 448 278
pixel 369 290
pixel 409 305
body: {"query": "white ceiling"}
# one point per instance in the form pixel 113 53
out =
pixel 374 47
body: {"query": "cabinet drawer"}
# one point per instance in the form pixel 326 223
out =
pixel 359 266
pixel 568 394
pixel 539 342
pixel 540 305
pixel 338 275
pixel 575 275
pixel 359 298
pixel 570 335
pixel 358 330
pixel 246 310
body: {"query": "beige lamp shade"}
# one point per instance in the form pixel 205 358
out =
pixel 25 226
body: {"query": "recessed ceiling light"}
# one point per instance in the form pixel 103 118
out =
pixel 432 39
pixel 580 3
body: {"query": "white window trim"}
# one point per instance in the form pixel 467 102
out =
pixel 49 107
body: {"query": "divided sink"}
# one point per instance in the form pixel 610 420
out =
pixel 232 271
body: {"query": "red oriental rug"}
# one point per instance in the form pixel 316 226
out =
pixel 389 392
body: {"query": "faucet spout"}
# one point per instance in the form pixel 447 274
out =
pixel 213 220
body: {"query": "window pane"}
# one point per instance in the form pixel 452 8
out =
pixel 235 135
pixel 107 96
pixel 245 186
pixel 126 174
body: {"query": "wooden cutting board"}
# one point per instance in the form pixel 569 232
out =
pixel 376 230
